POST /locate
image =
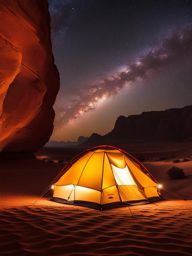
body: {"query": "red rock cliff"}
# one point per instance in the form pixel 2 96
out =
pixel 29 80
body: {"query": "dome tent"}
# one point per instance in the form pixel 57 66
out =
pixel 105 176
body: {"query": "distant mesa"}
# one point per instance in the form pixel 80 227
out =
pixel 154 126
pixel 82 139
pixel 29 79
pixel 67 144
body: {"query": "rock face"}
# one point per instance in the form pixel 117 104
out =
pixel 29 80
pixel 168 125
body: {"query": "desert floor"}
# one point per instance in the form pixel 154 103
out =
pixel 31 224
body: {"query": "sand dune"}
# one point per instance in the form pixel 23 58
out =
pixel 156 229
pixel 31 225
pixel 175 189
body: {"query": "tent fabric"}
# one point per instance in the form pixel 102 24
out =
pixel 106 175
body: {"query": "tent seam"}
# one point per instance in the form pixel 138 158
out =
pixel 82 172
pixel 102 177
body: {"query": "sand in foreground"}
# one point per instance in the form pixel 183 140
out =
pixel 46 228
pixel 30 226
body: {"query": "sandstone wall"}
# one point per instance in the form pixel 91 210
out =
pixel 29 80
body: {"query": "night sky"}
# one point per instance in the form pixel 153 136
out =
pixel 119 58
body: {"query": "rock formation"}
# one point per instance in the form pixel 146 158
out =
pixel 29 80
pixel 169 125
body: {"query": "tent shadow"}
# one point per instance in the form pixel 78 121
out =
pixel 105 207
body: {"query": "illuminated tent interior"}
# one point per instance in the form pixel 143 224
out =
pixel 105 176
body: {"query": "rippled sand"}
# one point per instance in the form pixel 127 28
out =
pixel 30 226
pixel 46 228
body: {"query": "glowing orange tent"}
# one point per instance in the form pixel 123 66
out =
pixel 103 176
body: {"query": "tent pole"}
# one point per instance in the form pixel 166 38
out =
pixel 102 180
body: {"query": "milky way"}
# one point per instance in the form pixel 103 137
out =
pixel 171 48
pixel 119 58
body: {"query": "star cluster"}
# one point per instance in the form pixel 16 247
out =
pixel 104 48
